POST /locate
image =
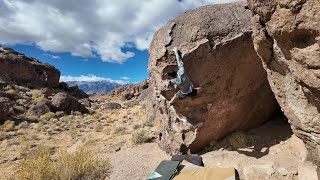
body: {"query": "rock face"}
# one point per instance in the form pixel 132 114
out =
pixel 286 37
pixel 23 69
pixel 64 102
pixel 219 57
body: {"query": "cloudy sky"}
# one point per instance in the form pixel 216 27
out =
pixel 89 39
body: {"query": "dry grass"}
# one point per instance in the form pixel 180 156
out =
pixel 37 96
pixel 7 126
pixel 237 140
pixel 140 136
pixel 119 129
pixel 48 116
pixel 32 118
pixel 136 126
pixel 79 165
pixel 11 92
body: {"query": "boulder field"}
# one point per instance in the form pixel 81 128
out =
pixel 233 92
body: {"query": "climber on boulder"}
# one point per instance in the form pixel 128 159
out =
pixel 182 80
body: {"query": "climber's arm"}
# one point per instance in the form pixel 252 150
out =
pixel 179 61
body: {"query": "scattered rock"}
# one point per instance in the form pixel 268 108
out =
pixel 86 102
pixel 61 101
pixel 4 107
pixel 216 45
pixel 78 93
pixel 64 102
pixel 127 96
pixel 39 109
pixel 286 37
pixel 283 171
pixel 111 105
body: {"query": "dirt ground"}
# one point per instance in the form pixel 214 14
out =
pixel 268 152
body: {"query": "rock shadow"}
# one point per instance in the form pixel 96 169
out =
pixel 256 142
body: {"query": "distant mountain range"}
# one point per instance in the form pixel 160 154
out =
pixel 97 87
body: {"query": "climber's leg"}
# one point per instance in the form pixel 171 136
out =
pixel 173 99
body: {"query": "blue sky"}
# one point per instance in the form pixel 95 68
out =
pixel 133 70
pixel 89 40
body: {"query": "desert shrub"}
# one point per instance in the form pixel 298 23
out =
pixel 11 92
pixel 107 130
pixel 119 129
pixel 79 165
pixel 60 114
pixel 32 118
pixel 140 136
pixel 136 126
pixel 37 96
pixel 7 126
pixel 96 115
pixel 237 140
pixel 150 121
pixel 20 109
pixel 48 116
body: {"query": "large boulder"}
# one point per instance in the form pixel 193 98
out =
pixel 218 54
pixel 287 39
pixel 23 69
pixel 78 93
pixel 64 102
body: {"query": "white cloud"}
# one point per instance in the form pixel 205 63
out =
pixel 88 28
pixel 52 56
pixel 125 78
pixel 91 78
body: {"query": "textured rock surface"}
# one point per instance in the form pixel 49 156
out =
pixel 4 107
pixel 21 68
pixel 219 57
pixel 64 102
pixel 111 105
pixel 286 37
pixel 39 109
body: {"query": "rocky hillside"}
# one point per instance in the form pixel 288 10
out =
pixel 219 57
pixel 22 69
pixel 97 87
pixel 286 38
pixel 30 89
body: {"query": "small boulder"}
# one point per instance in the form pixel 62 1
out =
pixel 61 101
pixel 4 107
pixel 64 102
pixel 127 96
pixel 86 102
pixel 63 86
pixel 78 93
pixel 111 106
pixel 39 109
